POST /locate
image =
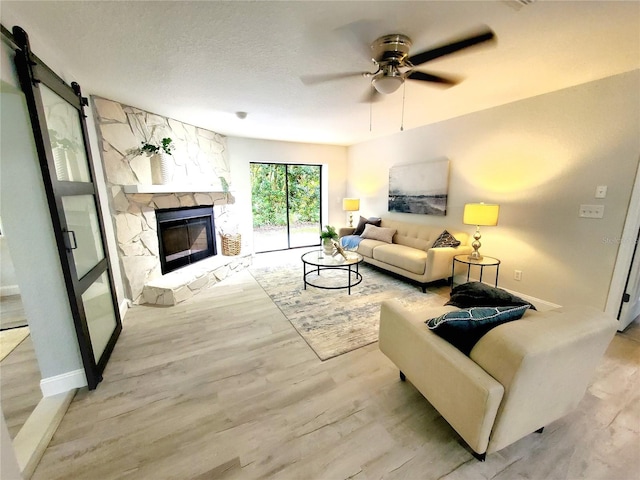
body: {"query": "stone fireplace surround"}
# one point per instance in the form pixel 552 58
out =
pixel 199 154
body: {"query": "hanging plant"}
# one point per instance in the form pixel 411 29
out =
pixel 166 146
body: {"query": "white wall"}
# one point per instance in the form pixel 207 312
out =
pixel 539 158
pixel 243 151
pixel 8 280
pixel 32 243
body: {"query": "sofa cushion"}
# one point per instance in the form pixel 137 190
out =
pixel 413 234
pixel 364 221
pixel 463 328
pixel 378 233
pixel 445 240
pixel 478 294
pixel 407 258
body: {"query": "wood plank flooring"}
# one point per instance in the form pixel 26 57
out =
pixel 19 385
pixel 223 387
pixel 12 312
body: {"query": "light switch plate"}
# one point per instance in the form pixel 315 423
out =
pixel 601 191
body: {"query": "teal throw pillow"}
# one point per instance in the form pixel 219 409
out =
pixel 463 328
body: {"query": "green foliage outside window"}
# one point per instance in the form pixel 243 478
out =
pixel 269 197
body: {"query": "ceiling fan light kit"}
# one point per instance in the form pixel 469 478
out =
pixel 387 84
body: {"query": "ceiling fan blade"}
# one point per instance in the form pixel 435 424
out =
pixel 429 77
pixel 360 34
pixel 481 37
pixel 371 96
pixel 329 77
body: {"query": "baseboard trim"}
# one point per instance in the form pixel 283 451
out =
pixel 65 382
pixel 36 433
pixel 9 290
pixel 541 305
pixel 124 307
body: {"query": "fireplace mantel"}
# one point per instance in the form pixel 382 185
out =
pixel 173 188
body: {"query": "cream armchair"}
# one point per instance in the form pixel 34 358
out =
pixel 519 377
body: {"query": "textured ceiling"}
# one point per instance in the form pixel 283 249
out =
pixel 200 62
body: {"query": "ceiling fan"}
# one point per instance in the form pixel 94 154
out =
pixel 390 55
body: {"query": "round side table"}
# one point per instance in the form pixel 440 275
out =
pixel 469 262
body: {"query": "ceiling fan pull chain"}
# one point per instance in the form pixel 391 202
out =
pixel 404 91
pixel 370 112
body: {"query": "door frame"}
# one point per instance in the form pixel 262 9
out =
pixel 625 252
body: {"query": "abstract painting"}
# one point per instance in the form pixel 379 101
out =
pixel 419 188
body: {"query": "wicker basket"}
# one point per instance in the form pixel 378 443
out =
pixel 231 244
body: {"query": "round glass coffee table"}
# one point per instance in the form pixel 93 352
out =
pixel 317 261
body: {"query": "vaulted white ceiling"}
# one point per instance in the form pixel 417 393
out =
pixel 200 62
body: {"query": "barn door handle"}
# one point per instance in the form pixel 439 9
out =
pixel 71 235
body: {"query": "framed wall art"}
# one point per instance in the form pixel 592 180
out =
pixel 419 188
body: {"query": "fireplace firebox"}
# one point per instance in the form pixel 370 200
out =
pixel 185 236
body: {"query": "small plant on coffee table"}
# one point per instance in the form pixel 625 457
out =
pixel 327 235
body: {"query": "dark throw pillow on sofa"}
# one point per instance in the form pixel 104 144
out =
pixel 364 221
pixel 463 328
pixel 478 294
pixel 445 240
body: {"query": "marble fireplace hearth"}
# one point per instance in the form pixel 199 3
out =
pixel 182 284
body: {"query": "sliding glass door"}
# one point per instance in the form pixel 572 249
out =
pixel 286 205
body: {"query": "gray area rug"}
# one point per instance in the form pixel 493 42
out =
pixel 332 322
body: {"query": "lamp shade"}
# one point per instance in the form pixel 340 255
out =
pixel 481 214
pixel 351 204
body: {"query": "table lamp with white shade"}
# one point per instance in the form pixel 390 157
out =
pixel 351 205
pixel 479 214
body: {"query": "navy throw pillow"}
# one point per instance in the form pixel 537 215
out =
pixel 364 221
pixel 463 328
pixel 478 294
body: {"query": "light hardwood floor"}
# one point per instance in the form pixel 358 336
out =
pixel 222 386
pixel 19 385
pixel 12 312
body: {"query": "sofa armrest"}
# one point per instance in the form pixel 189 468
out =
pixel 459 389
pixel 344 231
pixel 440 260
pixel 545 362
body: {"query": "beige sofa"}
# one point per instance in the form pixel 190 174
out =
pixel 410 255
pixel 519 377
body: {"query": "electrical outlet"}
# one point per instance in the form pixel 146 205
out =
pixel 517 275
pixel 591 211
pixel 601 191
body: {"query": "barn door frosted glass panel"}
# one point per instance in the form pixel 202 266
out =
pixel 65 136
pixel 100 314
pixel 83 232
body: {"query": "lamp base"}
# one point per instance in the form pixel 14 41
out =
pixel 350 220
pixel 475 256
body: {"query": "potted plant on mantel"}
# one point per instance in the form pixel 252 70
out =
pixel 160 167
pixel 327 235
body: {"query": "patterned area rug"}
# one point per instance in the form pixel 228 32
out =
pixel 332 322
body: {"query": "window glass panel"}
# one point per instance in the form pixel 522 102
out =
pixel 304 205
pixel 100 315
pixel 82 220
pixel 65 135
